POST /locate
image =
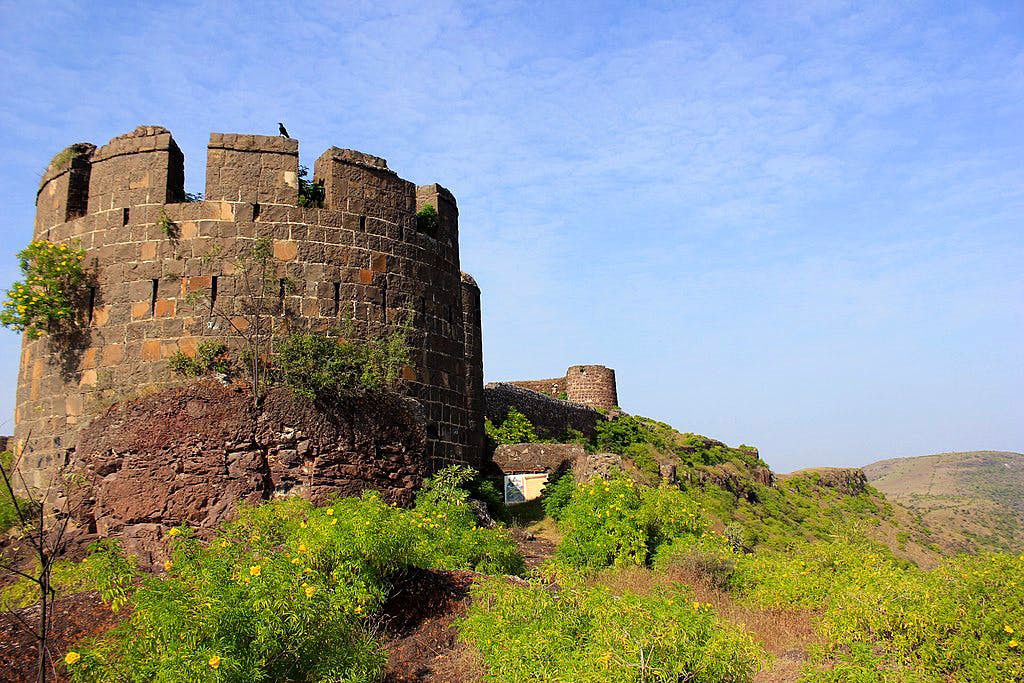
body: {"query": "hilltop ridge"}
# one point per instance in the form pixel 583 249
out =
pixel 973 501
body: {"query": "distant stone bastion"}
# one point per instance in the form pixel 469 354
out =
pixel 361 257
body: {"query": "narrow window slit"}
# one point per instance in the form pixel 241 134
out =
pixel 337 298
pixel 152 297
pixel 92 303
pixel 124 216
pixel 280 293
pixel 362 223
pixel 213 293
pixel 255 210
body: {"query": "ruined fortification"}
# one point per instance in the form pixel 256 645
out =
pixel 360 258
pixel 591 385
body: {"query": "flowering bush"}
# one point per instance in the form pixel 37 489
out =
pixel 618 522
pixel 576 633
pixel 287 591
pixel 49 293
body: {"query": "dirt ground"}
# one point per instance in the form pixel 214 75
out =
pixel 74 617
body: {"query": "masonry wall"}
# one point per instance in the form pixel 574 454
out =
pixel 550 417
pixel 591 385
pixel 164 276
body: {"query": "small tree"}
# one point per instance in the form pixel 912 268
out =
pixel 47 298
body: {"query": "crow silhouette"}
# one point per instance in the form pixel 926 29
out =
pixel 281 129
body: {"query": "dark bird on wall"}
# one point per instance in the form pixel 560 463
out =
pixel 281 129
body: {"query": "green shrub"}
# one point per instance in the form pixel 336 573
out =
pixel 310 193
pixel 515 428
pixel 535 633
pixel 49 296
pixel 211 356
pixel 319 366
pixel 557 494
pixel 620 523
pixel 285 591
pixel 427 220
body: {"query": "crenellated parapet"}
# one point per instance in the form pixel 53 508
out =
pixel 164 278
pixel 252 168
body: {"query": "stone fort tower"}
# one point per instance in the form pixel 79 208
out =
pixel 360 258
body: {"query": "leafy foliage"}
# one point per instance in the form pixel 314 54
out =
pixel 310 193
pixel 885 620
pixel 619 523
pixel 515 428
pixel 319 366
pixel 557 495
pixel 211 356
pixel 427 220
pixel 48 296
pixel 287 590
pixel 576 633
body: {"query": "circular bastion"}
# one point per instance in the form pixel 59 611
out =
pixel 163 277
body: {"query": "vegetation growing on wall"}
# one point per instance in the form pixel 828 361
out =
pixel 320 366
pixel 48 296
pixel 427 220
pixel 310 193
pixel 211 357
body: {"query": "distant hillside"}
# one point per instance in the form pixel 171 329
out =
pixel 971 501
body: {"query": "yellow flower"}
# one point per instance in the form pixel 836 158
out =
pixel 302 525
pixel 1013 643
pixel 334 521
pixel 223 544
pixel 214 662
pixel 358 610
pixel 254 570
pixel 696 605
pixel 296 560
pixel 174 532
pixel 307 570
pixel 71 657
pixel 302 548
pixel 330 511
pixel 1008 629
pixel 167 565
pixel 310 590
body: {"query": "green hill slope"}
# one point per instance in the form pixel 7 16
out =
pixel 972 501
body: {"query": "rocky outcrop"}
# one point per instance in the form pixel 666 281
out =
pixel 550 417
pixel 190 455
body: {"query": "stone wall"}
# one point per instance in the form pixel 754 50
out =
pixel 164 277
pixel 189 455
pixel 549 416
pixel 591 385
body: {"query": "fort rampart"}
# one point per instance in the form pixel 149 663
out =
pixel 361 258
pixel 591 385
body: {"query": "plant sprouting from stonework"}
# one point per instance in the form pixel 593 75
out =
pixel 311 193
pixel 46 299
pixel 427 220
pixel 167 225
pixel 211 357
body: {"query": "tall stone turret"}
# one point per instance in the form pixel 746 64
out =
pixel 360 258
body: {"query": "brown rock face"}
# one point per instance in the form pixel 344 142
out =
pixel 189 455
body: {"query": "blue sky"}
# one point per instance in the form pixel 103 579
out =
pixel 796 225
